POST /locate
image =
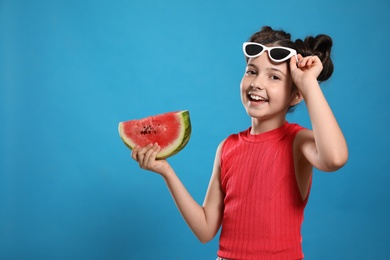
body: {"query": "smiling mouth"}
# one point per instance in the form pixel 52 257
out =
pixel 256 98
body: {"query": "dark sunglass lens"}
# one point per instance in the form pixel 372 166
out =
pixel 253 49
pixel 279 54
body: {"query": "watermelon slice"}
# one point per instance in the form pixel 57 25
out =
pixel 170 130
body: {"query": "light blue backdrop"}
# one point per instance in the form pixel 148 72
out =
pixel 71 70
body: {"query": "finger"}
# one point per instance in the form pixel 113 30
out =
pixel 156 151
pixel 141 152
pixel 309 61
pixel 150 155
pixel 303 62
pixel 316 60
pixel 293 62
pixel 134 152
pixel 153 155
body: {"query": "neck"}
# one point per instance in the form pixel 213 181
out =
pixel 262 126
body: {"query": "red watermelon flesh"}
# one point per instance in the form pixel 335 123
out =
pixel 170 130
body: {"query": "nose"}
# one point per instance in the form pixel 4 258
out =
pixel 256 83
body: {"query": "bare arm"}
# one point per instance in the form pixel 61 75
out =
pixel 204 220
pixel 325 146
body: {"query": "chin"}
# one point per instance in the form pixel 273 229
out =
pixel 254 113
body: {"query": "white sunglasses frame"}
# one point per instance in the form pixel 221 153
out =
pixel 268 49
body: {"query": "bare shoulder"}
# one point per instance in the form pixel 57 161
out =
pixel 220 145
pixel 304 142
pixel 219 151
pixel 304 145
pixel 305 150
pixel 304 136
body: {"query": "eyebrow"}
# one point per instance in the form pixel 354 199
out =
pixel 268 68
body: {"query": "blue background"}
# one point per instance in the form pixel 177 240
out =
pixel 71 70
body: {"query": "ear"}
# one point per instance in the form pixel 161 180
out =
pixel 296 98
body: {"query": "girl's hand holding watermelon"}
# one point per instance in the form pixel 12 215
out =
pixel 155 138
pixel 146 158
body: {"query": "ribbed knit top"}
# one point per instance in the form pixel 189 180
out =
pixel 263 210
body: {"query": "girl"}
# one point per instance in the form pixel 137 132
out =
pixel 262 176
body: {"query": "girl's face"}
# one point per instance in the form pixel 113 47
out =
pixel 266 89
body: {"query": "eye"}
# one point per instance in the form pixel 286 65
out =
pixel 275 77
pixel 250 72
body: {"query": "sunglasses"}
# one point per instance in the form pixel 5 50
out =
pixel 277 54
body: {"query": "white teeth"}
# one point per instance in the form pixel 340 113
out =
pixel 254 97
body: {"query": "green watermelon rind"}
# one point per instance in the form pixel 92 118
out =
pixel 176 146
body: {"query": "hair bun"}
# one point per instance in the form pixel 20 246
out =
pixel 321 46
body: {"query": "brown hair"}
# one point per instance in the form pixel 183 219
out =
pixel 319 45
